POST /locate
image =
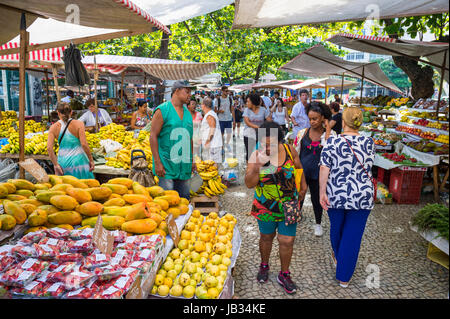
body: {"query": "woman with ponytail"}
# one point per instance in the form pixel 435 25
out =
pixel 74 156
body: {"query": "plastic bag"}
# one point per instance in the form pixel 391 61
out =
pixel 122 258
pixel 58 233
pixel 46 252
pixel 112 292
pixel 119 236
pixel 53 290
pixel 110 145
pixel 23 252
pixel 6 262
pixel 109 272
pixel 142 266
pixel 23 273
pixel 78 234
pixel 33 289
pixel 69 257
pixel 80 293
pixel 7 169
pixel 96 260
pixel 31 238
pixel 59 274
pixel 78 278
pixel 145 255
pixel 80 246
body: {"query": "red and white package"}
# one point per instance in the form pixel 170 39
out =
pixel 108 272
pixel 144 255
pixel 46 252
pixel 142 266
pixel 130 272
pixel 66 257
pixel 124 282
pixel 80 293
pixel 122 258
pixel 53 242
pixel 119 236
pixel 111 292
pixel 23 273
pixel 78 278
pixel 23 252
pixel 43 276
pixel 96 260
pixel 6 262
pixel 59 274
pixel 58 233
pixel 54 290
pixel 85 233
pixel 5 250
pixel 33 289
pixel 79 246
pixel 31 238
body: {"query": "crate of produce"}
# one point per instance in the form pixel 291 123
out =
pixel 406 184
pixel 383 175
pixel 205 204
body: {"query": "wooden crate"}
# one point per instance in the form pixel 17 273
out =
pixel 205 204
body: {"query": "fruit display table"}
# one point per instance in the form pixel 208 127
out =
pixel 16 156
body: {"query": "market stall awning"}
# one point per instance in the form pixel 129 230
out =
pixel 276 84
pixel 322 83
pixel 158 68
pixel 431 51
pixel 270 13
pixel 319 61
pixel 37 59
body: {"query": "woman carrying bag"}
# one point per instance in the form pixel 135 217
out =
pixel 347 191
pixel 271 170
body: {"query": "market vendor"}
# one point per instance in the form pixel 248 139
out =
pixel 171 141
pixel 88 118
pixel 74 155
pixel 141 117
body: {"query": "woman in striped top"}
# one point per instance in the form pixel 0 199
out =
pixel 74 156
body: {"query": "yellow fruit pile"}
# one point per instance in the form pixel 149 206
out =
pixel 212 182
pixel 67 201
pixel 123 157
pixel 199 265
pixel 116 132
pixel 93 140
pixel 35 145
pixel 442 139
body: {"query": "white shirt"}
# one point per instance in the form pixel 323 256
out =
pixel 66 99
pixel 279 117
pixel 224 106
pixel 267 101
pixel 300 116
pixel 88 118
pixel 204 131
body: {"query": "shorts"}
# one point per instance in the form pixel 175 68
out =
pixel 183 187
pixel 224 125
pixel 268 228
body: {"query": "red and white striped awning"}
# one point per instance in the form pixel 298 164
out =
pixel 37 59
pixel 431 51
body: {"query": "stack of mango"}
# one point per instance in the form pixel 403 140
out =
pixel 66 202
pixel 212 182
pixel 199 265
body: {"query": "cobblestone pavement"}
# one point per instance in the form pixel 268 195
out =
pixel 388 243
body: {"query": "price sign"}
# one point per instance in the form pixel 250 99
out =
pixel 173 229
pixel 102 238
pixel 35 170
pixel 135 291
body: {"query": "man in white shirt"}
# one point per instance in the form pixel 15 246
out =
pixel 89 117
pixel 223 106
pixel 267 101
pixel 69 96
pixel 210 133
pixel 299 117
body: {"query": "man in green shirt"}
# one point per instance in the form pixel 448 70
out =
pixel 171 141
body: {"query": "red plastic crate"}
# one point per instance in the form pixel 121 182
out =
pixel 383 176
pixel 406 184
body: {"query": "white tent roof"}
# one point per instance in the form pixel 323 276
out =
pixel 108 14
pixel 276 84
pixel 432 51
pixel 322 83
pixel 319 61
pixel 268 13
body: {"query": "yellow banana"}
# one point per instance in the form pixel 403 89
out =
pixel 212 186
pixel 218 186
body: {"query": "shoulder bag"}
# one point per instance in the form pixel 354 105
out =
pixel 64 132
pixel 298 172
pixel 374 182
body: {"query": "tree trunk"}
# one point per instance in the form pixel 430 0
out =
pixel 163 54
pixel 421 77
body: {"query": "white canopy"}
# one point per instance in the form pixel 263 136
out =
pixel 108 14
pixel 276 84
pixel 319 61
pixel 432 51
pixel 269 13
pixel 322 83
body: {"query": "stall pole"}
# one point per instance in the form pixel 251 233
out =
pixel 121 87
pixel 95 94
pixel 48 94
pixel 24 37
pixel 326 92
pixel 55 83
pixel 342 86
pixel 362 87
pixel 440 85
pixel 145 86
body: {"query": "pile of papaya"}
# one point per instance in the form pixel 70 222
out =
pixel 66 201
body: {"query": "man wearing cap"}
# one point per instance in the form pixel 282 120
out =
pixel 69 96
pixel 299 116
pixel 171 141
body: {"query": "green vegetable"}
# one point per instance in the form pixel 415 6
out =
pixel 433 217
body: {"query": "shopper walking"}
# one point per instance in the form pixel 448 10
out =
pixel 211 136
pixel 279 115
pixel 171 141
pixel 336 118
pixel 271 172
pixel 254 116
pixel 267 100
pixel 74 155
pixel 299 117
pixel 309 144
pixel 347 191
pixel 238 112
pixel 223 106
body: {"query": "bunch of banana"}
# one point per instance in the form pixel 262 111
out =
pixel 143 136
pixel 36 145
pixel 13 144
pixel 211 187
pixel 116 132
pixel 93 140
pixel 123 157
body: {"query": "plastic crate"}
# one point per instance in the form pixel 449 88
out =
pixel 406 184
pixel 383 175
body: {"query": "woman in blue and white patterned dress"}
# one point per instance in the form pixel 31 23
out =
pixel 346 191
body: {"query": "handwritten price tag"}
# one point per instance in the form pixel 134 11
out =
pixel 102 238
pixel 173 229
